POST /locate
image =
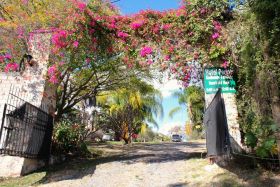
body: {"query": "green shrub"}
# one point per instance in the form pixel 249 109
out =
pixel 68 138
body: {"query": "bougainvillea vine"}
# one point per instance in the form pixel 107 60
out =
pixel 168 40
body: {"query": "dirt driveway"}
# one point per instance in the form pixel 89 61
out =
pixel 149 165
pixel 157 165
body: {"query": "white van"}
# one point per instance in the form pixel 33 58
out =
pixel 176 138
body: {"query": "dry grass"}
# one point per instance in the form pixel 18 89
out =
pixel 201 174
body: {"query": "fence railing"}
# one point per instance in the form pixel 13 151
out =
pixel 26 130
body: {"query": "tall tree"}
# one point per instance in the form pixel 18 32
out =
pixel 132 107
pixel 193 99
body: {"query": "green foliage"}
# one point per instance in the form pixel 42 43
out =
pixel 130 108
pixel 69 138
pixel 251 139
pixel 148 135
pixel 266 149
pixel 267 14
pixel 193 98
pixel 252 36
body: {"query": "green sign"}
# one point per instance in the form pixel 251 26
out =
pixel 215 78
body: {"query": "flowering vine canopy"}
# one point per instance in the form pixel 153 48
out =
pixel 167 40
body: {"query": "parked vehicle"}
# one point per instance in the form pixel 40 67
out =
pixel 176 138
pixel 107 137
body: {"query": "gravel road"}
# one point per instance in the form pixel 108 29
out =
pixel 155 165
pixel 148 165
pixel 142 165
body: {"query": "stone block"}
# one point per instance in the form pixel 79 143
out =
pixel 14 166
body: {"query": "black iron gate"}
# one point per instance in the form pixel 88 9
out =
pixel 215 121
pixel 26 130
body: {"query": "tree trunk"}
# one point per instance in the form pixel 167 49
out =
pixel 126 140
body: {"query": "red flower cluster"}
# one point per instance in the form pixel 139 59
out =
pixel 146 51
pixel 59 39
pixel 11 67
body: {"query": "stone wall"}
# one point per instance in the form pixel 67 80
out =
pixel 232 118
pixel 31 83
pixel 32 86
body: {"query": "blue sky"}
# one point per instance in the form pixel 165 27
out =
pixel 167 88
pixel 178 119
pixel 169 102
pixel 134 6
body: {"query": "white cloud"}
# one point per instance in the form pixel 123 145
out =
pixel 167 87
pixel 165 127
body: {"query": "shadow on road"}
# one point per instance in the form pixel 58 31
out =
pixel 148 153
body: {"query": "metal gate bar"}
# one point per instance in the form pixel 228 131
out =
pixel 26 130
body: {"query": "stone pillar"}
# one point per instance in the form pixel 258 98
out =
pixel 215 78
pixel 33 88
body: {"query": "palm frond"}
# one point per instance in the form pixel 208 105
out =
pixel 174 111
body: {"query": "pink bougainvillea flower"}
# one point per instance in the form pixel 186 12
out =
pixel 137 24
pixel 185 84
pixel 87 60
pixel 2 58
pixel 91 31
pixel 156 29
pixel 215 36
pixel 149 62
pixel 61 54
pixel 217 25
pixel 52 70
pixel 190 34
pixel 59 39
pixel 146 51
pixel 8 56
pixel 166 27
pixel 203 10
pixel 225 64
pixel 94 40
pixel 82 6
pixel 171 49
pixel 167 58
pixel 11 67
pixel 76 44
pixel 53 79
pixel 142 63
pixel 122 35
pixel 181 11
pixel 112 25
pixel 20 32
pixel 130 65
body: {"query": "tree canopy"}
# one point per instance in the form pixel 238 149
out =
pixel 85 33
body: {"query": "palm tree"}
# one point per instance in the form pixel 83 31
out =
pixel 193 98
pixel 133 107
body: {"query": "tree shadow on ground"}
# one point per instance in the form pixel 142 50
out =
pixel 178 185
pixel 78 168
